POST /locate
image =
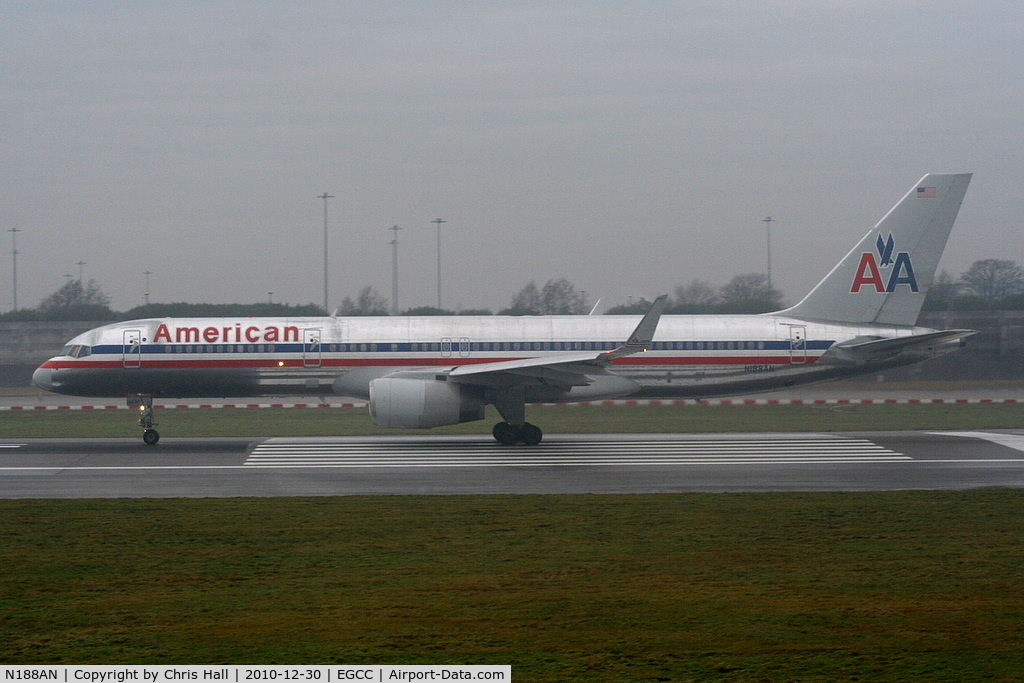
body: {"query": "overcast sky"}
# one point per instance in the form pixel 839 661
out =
pixel 627 147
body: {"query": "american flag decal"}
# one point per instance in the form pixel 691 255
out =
pixel 926 193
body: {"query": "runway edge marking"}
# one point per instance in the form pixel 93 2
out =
pixel 1014 441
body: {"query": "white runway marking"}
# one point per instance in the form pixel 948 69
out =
pixel 1014 441
pixel 689 450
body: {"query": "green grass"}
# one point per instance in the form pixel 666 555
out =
pixel 553 419
pixel 736 587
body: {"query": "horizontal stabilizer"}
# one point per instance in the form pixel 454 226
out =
pixel 873 348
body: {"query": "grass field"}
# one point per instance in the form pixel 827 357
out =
pixel 553 419
pixel 737 587
pixel 885 586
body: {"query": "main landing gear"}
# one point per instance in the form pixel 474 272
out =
pixel 147 420
pixel 515 429
pixel 509 434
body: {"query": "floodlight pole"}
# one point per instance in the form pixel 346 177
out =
pixel 768 220
pixel 438 222
pixel 14 256
pixel 325 197
pixel 394 269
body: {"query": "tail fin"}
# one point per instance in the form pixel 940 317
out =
pixel 884 279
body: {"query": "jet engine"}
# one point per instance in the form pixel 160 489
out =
pixel 414 403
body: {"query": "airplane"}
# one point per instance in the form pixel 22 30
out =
pixel 422 372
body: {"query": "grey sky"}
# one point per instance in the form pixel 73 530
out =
pixel 628 147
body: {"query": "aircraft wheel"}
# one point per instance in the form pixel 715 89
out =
pixel 150 437
pixel 530 434
pixel 506 434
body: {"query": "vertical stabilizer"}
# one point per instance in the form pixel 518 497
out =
pixel 884 279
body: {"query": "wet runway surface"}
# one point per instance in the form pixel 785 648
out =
pixel 563 463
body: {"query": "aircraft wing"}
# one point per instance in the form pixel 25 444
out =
pixel 568 369
pixel 862 349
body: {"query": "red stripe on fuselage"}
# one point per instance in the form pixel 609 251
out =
pixel 292 362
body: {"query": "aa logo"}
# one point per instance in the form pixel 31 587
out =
pixel 872 266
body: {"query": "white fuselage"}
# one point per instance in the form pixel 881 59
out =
pixel 691 356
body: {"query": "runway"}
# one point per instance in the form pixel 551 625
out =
pixel 562 464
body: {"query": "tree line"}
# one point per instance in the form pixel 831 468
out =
pixel 989 284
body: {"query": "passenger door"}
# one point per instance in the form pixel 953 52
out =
pixel 312 356
pixel 797 344
pixel 131 349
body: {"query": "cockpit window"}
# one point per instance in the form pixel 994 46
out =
pixel 76 350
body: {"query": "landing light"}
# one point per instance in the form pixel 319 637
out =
pixel 280 363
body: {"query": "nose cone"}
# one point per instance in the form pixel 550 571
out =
pixel 43 378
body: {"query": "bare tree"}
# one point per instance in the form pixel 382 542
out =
pixel 697 296
pixel 74 294
pixel 749 293
pixel 525 302
pixel 369 302
pixel 993 279
pixel 73 301
pixel 559 297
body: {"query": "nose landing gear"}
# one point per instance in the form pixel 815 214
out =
pixel 147 420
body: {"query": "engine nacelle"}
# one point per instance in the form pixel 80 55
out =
pixel 408 403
